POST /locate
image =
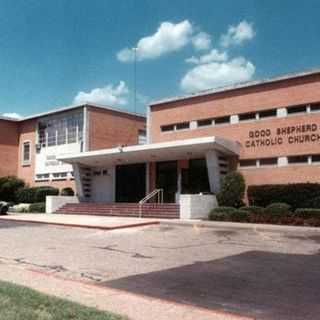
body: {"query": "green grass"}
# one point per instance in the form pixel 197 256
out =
pixel 20 303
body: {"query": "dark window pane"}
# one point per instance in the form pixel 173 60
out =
pixel 204 122
pixel 247 116
pixel 315 107
pixel 222 120
pixel 167 128
pixel 182 125
pixel 268 161
pixel 298 159
pixel 248 163
pixel 268 113
pixel 297 109
pixel 316 158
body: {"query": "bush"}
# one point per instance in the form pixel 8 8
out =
pixel 221 213
pixel 314 203
pixel 307 213
pixel 297 195
pixel 278 210
pixel 26 195
pixel 67 192
pixel 232 190
pixel 254 210
pixel 42 192
pixel 240 216
pixel 39 207
pixel 8 188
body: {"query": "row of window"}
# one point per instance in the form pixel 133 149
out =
pixel 247 116
pixel 300 159
pixel 60 130
pixel 54 176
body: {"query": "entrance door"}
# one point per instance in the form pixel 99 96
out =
pixel 130 182
pixel 167 179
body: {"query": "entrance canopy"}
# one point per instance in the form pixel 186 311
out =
pixel 162 151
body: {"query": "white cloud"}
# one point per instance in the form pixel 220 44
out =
pixel 238 34
pixel 168 38
pixel 12 115
pixel 201 41
pixel 108 95
pixel 213 56
pixel 217 74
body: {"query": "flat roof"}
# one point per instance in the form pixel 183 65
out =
pixel 71 107
pixel 161 151
pixel 237 86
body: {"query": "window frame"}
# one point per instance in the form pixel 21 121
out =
pixel 26 162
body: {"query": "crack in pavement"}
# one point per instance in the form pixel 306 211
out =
pixel 134 254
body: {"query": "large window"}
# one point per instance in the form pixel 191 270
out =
pixel 26 153
pixel 60 130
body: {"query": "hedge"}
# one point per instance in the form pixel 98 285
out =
pixel 26 195
pixel 42 192
pixel 39 207
pixel 307 213
pixel 297 195
pixel 278 210
pixel 9 186
pixel 67 192
pixel 228 214
pixel 254 210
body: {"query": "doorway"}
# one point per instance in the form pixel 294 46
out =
pixel 167 179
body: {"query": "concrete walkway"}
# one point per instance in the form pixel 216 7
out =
pixel 134 306
pixel 81 221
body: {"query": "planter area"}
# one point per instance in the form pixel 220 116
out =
pixel 276 213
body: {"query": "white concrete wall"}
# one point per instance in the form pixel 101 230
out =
pixel 196 206
pixel 53 203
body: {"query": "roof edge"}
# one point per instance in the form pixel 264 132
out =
pixel 237 86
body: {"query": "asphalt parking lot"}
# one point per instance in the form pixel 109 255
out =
pixel 266 275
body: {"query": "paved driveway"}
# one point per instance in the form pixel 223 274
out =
pixel 267 275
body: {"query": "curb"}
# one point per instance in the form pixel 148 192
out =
pixel 72 225
pixel 240 226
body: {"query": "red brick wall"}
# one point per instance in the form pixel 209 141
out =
pixel 292 92
pixel 110 128
pixel 8 147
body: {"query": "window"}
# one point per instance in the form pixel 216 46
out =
pixel 248 163
pixel 60 176
pixel 315 107
pixel 26 153
pixel 297 109
pixel 167 128
pixel 60 130
pixel 315 158
pixel 268 161
pixel 298 159
pixel 204 122
pixel 268 113
pixel 247 116
pixel 142 136
pixel 222 120
pixel 182 125
pixel 42 177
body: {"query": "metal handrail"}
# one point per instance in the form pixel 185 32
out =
pixel 156 192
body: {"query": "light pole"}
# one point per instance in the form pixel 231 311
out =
pixel 135 78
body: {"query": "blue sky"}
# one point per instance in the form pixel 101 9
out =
pixel 55 53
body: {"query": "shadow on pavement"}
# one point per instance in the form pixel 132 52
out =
pixel 260 284
pixel 15 224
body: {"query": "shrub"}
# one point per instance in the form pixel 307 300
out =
pixel 307 213
pixel 221 213
pixel 67 192
pixel 314 203
pixel 26 195
pixel 232 190
pixel 278 210
pixel 254 210
pixel 39 207
pixel 297 195
pixel 42 192
pixel 8 188
pixel 240 216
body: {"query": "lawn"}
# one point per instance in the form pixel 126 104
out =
pixel 20 303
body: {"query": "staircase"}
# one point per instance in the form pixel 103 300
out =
pixel 147 210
